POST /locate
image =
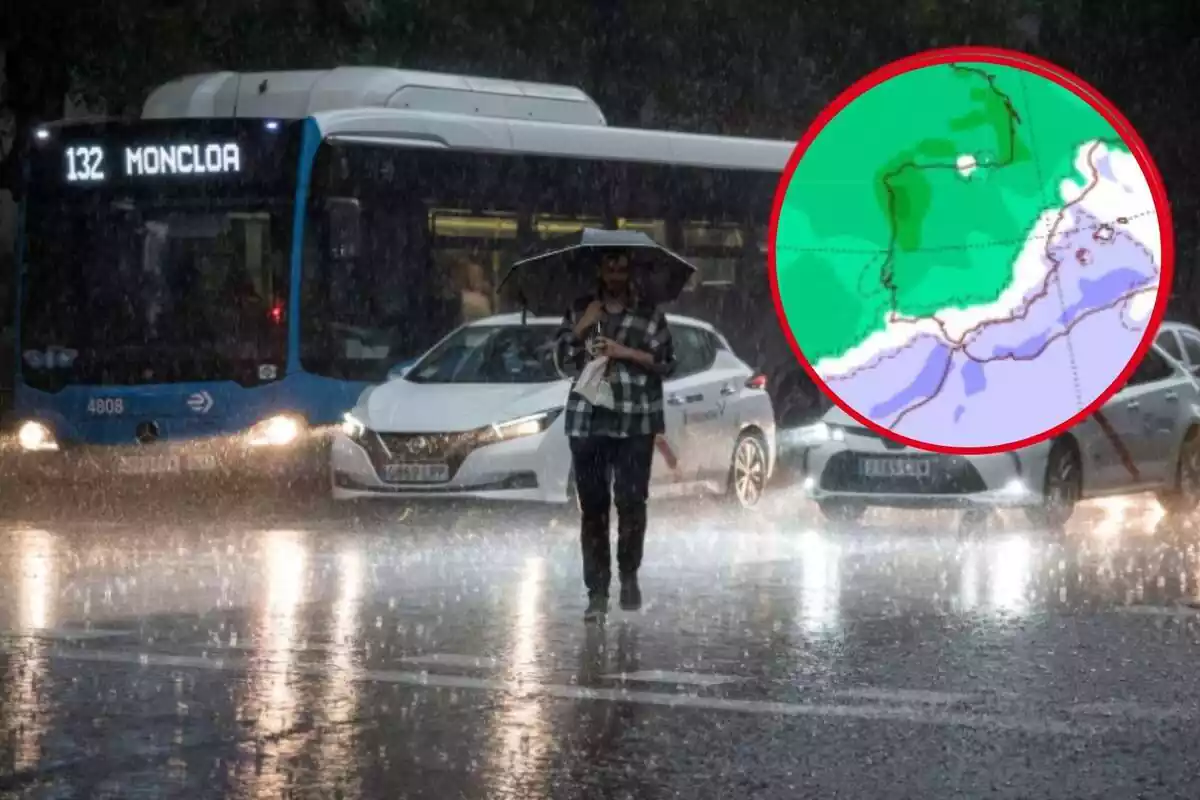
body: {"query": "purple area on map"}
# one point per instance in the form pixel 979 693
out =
pixel 1026 382
pixel 972 377
pixel 1010 410
pixel 1026 349
pixel 1102 292
pixel 924 384
pixel 1117 268
pixel 907 361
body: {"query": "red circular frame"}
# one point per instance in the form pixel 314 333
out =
pixel 1043 69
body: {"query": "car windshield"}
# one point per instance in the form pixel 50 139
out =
pixel 491 354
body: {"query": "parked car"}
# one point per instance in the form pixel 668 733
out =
pixel 480 415
pixel 1155 417
pixel 1182 343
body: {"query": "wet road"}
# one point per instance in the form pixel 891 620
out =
pixel 434 655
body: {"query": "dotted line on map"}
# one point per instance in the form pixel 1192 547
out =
pixel 1124 219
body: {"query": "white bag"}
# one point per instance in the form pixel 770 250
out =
pixel 593 385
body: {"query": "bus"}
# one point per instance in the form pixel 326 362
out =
pixel 210 287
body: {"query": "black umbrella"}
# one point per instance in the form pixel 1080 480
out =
pixel 547 283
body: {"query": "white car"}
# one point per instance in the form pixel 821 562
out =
pixel 480 416
pixel 1146 438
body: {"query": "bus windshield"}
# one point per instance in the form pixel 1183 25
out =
pixel 121 291
pixel 156 251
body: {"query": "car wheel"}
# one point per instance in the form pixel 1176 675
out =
pixel 748 471
pixel 1184 496
pixel 842 510
pixel 1062 488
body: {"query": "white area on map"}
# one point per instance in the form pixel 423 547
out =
pixel 1141 306
pixel 966 164
pixel 1084 284
pixel 1121 189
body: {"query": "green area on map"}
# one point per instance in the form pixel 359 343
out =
pixel 918 196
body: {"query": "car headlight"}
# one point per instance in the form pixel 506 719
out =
pixel 353 427
pixel 521 426
pixel 822 432
pixel 36 436
pixel 280 430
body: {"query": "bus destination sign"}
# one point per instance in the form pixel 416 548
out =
pixel 92 163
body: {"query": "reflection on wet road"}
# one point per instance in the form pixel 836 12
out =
pixel 440 655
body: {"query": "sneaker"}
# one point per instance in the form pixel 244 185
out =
pixel 597 608
pixel 631 594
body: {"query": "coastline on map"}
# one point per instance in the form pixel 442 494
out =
pixel 1109 186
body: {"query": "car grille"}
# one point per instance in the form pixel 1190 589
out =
pixel 948 475
pixel 402 448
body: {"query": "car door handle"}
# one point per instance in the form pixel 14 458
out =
pixel 1171 397
pixel 676 400
pixel 728 389
pixel 1133 405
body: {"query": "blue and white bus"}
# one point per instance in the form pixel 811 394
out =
pixel 213 285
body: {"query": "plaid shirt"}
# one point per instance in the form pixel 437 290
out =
pixel 637 391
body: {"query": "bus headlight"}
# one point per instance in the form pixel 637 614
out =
pixel 35 436
pixel 278 431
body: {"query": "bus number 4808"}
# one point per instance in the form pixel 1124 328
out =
pixel 106 406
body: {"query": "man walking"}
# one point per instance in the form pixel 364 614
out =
pixel 612 443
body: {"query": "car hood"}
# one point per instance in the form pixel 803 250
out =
pixel 836 416
pixel 406 407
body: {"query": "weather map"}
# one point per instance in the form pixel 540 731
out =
pixel 969 253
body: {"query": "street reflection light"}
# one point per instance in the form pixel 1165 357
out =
pixel 1005 565
pixel 519 723
pixel 271 701
pixel 286 560
pixel 20 711
pixel 821 582
pixel 1010 568
pixel 340 693
pixel 968 579
pixel 37 573
pixel 1115 510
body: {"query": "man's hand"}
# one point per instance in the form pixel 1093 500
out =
pixel 612 349
pixel 591 315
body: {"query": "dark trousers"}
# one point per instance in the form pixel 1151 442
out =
pixel 601 462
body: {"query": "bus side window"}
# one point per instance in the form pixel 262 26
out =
pixel 432 228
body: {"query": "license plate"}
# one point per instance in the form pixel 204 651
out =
pixel 166 464
pixel 149 465
pixel 416 473
pixel 895 467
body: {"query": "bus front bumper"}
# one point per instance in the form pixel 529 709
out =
pixel 217 460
